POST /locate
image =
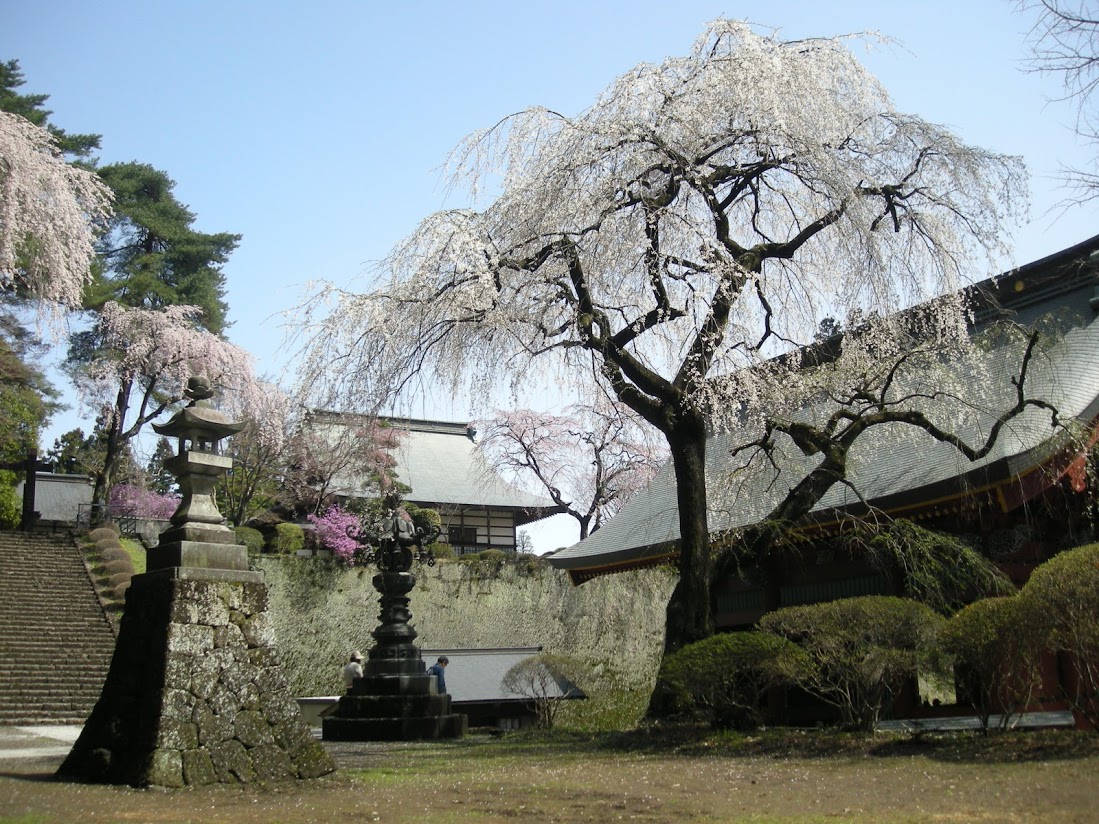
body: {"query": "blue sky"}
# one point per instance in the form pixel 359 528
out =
pixel 317 131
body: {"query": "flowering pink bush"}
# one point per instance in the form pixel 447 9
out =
pixel 133 500
pixel 331 531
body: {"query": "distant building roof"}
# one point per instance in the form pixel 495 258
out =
pixel 900 468
pixel 440 462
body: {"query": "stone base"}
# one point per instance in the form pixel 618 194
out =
pixel 197 555
pixel 195 693
pixel 394 708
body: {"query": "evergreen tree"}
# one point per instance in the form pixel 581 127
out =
pixel 152 256
pixel 161 480
pixel 27 398
pixel 153 260
pixel 32 107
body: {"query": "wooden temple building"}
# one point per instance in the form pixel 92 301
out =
pixel 1033 495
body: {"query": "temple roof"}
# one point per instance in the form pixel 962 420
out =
pixel 895 467
pixel 440 462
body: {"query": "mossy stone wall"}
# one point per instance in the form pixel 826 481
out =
pixel 322 611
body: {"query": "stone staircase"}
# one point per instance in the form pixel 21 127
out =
pixel 55 641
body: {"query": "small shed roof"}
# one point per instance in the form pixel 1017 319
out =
pixel 478 674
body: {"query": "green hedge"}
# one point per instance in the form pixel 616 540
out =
pixel 289 538
pixel 722 680
pixel 863 650
pixel 1065 591
pixel 996 646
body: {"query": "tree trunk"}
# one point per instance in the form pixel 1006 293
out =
pixel 689 616
pixel 113 447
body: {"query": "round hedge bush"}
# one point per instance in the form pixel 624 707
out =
pixel 251 538
pixel 120 589
pixel 722 680
pixel 116 567
pixel 118 578
pixel 289 538
pixel 114 553
pixel 103 533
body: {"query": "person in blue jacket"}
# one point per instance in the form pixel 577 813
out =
pixel 436 669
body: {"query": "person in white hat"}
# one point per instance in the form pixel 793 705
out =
pixel 353 669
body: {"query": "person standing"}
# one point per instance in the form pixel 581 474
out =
pixel 353 669
pixel 437 669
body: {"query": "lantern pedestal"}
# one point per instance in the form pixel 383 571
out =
pixel 395 700
pixel 196 693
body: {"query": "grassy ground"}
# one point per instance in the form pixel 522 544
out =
pixel 812 777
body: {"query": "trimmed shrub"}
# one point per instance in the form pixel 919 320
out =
pixel 120 590
pixel 289 538
pixel 1065 589
pixel 996 644
pixel 425 518
pixel 489 556
pixel 441 551
pixel 722 680
pixel 119 567
pixel 104 544
pixel 114 553
pixel 251 538
pixel 105 532
pixel 118 578
pixel 862 650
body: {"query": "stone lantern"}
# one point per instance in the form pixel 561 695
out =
pixel 198 536
pixel 395 700
pixel 196 693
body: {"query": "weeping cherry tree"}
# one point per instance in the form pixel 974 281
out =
pixel 678 244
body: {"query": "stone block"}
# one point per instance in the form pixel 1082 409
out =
pixel 231 762
pixel 252 729
pixel 190 639
pixel 200 554
pixel 165 768
pixel 272 763
pixel 198 768
pixel 177 735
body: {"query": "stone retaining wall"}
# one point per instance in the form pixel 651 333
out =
pixel 322 611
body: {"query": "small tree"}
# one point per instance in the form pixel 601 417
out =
pixel 669 242
pixel 723 679
pixel 589 461
pixel 546 680
pixel 1065 589
pixel 996 644
pixel 863 650
pixel 135 363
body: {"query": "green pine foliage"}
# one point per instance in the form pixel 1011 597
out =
pixel 32 108
pixel 152 255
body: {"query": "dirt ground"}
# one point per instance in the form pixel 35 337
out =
pixel 488 780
